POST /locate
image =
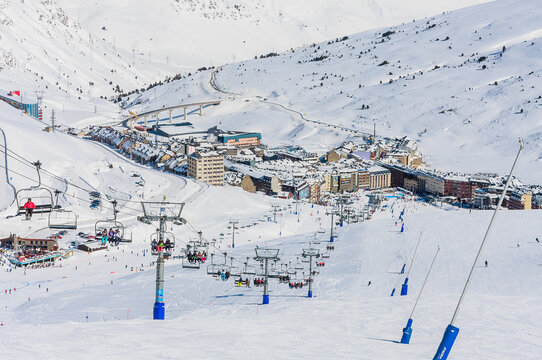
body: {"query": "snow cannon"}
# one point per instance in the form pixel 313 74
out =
pixel 159 311
pixel 404 288
pixel 407 332
pixel 447 342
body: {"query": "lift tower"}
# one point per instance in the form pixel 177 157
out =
pixel 161 212
pixel 264 254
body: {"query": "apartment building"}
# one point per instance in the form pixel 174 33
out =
pixel 379 177
pixel 207 167
pixel 520 201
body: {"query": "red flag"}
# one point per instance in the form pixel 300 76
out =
pixel 13 93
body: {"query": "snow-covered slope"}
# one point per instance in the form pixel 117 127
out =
pixel 212 319
pixel 465 84
pixel 89 48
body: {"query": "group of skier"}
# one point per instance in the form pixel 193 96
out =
pixel 112 236
pixel 259 281
pixel 223 275
pixel 158 246
pixel 296 285
pixel 193 257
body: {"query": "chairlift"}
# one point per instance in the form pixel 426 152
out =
pixel 124 235
pixel 61 218
pixel 217 270
pixel 169 244
pixel 249 269
pixel 41 197
pixel 325 255
pixel 194 264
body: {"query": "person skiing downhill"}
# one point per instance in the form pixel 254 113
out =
pixel 29 207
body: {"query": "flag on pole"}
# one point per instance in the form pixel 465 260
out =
pixel 15 92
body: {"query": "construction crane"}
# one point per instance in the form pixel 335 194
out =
pixel 132 116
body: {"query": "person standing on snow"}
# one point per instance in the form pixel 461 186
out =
pixel 29 207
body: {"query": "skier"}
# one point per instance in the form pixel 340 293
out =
pixel 369 284
pixel 29 207
pixel 486 263
pixel 537 240
pixel 104 237
pixel 111 235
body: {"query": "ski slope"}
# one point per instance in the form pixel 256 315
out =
pixel 208 318
pixel 100 304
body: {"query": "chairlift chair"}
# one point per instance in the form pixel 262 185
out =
pixel 41 197
pixel 62 219
pixel 125 235
pixel 168 249
pixel 249 269
pixel 186 262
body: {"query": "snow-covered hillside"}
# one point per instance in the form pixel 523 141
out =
pixel 87 49
pixel 211 319
pixel 465 84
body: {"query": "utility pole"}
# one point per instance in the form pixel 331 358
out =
pixel 310 253
pixel 156 130
pixel 114 203
pixel 53 120
pixel 341 200
pixel 275 211
pixel 263 254
pixel 233 227
pixel 296 193
pixel 39 96
pixel 332 213
pixel 162 212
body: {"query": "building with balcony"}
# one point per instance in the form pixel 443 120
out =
pixel 207 167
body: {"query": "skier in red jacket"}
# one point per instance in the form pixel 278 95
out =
pixel 29 206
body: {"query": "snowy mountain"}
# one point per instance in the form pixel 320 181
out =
pixel 87 49
pixel 465 84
